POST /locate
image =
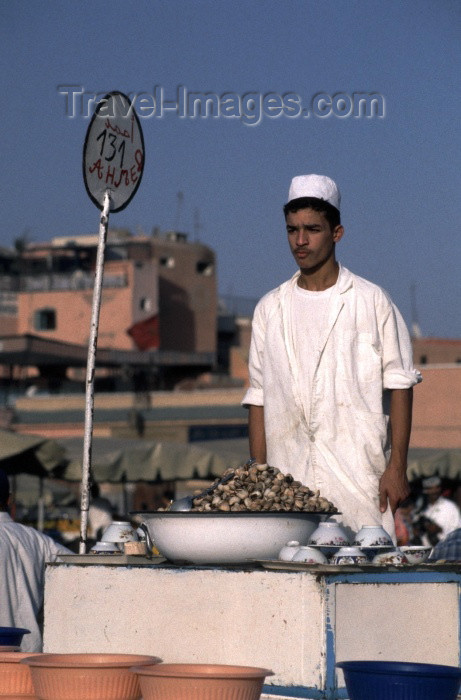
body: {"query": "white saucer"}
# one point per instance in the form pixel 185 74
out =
pixel 105 548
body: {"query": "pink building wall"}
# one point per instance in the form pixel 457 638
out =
pixel 437 408
pixel 120 307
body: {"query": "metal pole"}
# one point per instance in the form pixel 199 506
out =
pixel 89 398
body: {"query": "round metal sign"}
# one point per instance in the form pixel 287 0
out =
pixel 113 154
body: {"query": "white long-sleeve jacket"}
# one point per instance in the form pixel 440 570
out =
pixel 339 444
pixel 23 554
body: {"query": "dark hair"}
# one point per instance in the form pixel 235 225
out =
pixel 4 488
pixel 330 212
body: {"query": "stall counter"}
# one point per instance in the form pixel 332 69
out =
pixel 297 622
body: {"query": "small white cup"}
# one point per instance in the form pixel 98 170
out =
pixel 349 555
pixel 373 536
pixel 288 550
pixel 120 531
pixel 309 555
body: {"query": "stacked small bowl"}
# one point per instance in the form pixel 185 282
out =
pixel 329 543
pixel 114 538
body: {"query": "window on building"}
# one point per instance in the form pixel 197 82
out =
pixel 167 261
pixel 45 320
pixel 145 304
pixel 423 360
pixel 205 268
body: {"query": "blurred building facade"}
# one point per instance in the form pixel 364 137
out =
pixel 162 327
pixel 159 295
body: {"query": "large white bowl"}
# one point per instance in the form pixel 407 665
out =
pixel 227 538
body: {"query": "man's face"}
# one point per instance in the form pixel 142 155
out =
pixel 433 494
pixel 310 238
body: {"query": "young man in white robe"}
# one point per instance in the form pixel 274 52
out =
pixel 331 371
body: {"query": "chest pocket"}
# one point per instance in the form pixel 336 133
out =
pixel 358 360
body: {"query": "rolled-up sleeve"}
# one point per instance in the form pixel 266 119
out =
pixel 398 369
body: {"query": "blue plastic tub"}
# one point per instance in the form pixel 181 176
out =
pixel 396 680
pixel 12 636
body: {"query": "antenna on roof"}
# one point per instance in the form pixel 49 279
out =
pixel 180 197
pixel 415 327
pixel 197 225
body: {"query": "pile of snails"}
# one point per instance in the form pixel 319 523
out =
pixel 259 487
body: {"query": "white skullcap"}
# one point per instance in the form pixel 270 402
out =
pixel 318 186
pixel 431 482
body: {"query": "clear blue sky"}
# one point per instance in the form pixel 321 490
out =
pixel 399 173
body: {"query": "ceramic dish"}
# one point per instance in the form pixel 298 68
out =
pixel 276 564
pixel 372 536
pixel 349 555
pixel 105 548
pixel 371 552
pixel 394 557
pixel 120 531
pixel 289 550
pixel 416 554
pixel 328 551
pixel 329 534
pixel 309 555
pixel 227 538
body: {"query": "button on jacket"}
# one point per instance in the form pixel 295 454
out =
pixel 338 444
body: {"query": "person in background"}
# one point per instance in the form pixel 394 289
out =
pixel 448 549
pixel 438 516
pixel 404 522
pixel 456 495
pixel 331 371
pixel 100 513
pixel 23 554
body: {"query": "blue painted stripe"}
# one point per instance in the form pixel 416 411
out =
pixel 396 577
pixel 330 627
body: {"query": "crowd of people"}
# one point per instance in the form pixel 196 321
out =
pixel 432 518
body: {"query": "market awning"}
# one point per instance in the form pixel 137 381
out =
pixel 30 454
pixel 424 462
pixel 152 461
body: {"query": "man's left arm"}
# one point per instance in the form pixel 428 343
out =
pixel 393 485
